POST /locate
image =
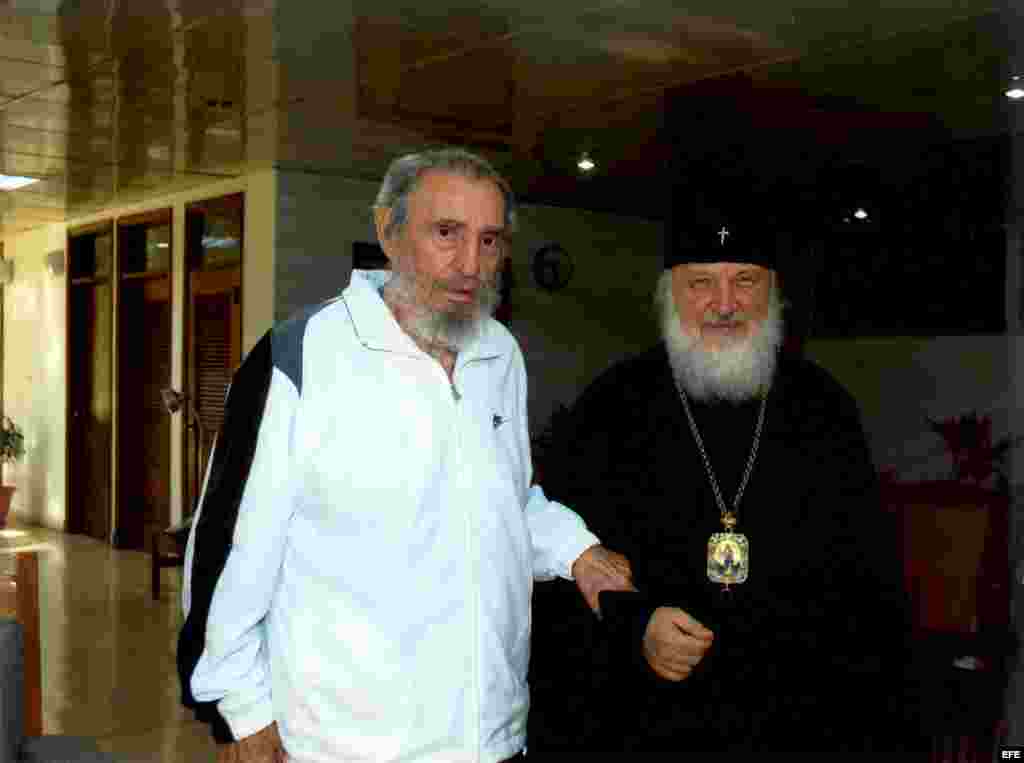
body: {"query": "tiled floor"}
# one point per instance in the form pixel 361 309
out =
pixel 108 652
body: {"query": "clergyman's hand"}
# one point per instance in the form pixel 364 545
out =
pixel 675 643
pixel 598 569
pixel 262 747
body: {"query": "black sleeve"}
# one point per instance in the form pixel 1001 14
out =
pixel 577 659
pixel 863 616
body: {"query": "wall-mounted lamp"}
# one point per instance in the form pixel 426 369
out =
pixel 173 402
pixel 55 263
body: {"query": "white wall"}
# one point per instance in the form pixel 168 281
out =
pixel 34 374
pixel 34 358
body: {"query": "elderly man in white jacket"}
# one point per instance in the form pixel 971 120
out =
pixel 359 572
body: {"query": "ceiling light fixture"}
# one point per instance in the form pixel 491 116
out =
pixel 14 182
pixel 586 163
pixel 216 242
pixel 861 213
pixel 1014 93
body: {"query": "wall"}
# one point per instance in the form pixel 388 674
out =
pixel 34 338
pixel 34 374
pixel 900 382
pixel 604 314
pixel 318 217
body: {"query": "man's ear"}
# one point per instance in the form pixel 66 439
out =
pixel 381 218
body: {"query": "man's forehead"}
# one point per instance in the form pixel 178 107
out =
pixel 443 195
pixel 720 268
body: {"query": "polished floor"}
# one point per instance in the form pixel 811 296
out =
pixel 108 652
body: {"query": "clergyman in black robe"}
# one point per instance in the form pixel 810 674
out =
pixel 809 652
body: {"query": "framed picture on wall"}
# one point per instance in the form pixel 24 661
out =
pixel 369 256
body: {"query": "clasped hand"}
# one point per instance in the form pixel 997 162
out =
pixel 675 643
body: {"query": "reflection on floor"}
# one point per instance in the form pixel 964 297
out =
pixel 108 653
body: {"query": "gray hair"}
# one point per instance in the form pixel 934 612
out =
pixel 404 174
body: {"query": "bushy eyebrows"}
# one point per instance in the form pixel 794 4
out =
pixel 451 222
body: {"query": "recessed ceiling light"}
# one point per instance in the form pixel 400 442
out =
pixel 586 163
pixel 14 182
pixel 1014 93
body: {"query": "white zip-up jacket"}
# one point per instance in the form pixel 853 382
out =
pixel 361 565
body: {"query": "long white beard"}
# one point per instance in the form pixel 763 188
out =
pixel 451 330
pixel 737 371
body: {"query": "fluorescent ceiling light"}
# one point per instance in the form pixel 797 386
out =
pixel 14 182
pixel 1015 93
pixel 214 242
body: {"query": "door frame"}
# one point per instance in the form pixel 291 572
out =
pixel 74 521
pixel 189 376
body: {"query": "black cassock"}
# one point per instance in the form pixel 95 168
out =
pixel 810 653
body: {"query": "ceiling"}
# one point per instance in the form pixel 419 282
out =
pixel 116 101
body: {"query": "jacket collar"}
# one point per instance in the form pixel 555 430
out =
pixel 376 328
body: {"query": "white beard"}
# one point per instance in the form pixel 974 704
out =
pixel 450 330
pixel 738 371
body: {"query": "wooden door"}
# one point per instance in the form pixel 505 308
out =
pixel 144 371
pixel 90 402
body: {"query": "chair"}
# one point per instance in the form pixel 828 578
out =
pixel 167 549
pixel 19 599
pixel 956 573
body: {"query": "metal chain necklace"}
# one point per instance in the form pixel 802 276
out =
pixel 728 552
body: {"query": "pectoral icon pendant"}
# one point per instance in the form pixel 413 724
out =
pixel 728 555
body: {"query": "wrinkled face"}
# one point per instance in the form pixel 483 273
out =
pixel 721 303
pixel 451 244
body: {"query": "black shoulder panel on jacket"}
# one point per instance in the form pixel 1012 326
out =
pixel 287 342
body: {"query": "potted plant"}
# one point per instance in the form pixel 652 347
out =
pixel 976 457
pixel 12 448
